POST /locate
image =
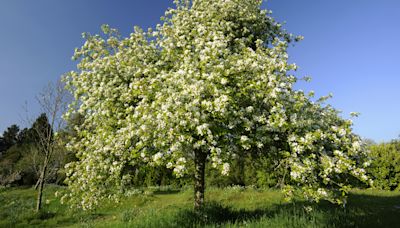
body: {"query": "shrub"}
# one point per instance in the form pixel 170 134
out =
pixel 385 165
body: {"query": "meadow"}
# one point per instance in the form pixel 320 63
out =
pixel 227 207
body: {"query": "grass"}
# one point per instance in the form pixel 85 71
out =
pixel 230 207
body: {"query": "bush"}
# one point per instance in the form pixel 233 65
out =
pixel 385 165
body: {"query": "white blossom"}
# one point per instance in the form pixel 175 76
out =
pixel 225 169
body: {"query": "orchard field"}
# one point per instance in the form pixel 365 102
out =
pixel 228 207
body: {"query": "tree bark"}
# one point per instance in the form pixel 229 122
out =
pixel 41 183
pixel 37 183
pixel 199 186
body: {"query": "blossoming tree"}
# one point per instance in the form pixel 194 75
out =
pixel 212 81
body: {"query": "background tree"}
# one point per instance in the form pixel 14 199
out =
pixel 212 83
pixel 53 102
pixel 25 136
pixel 2 145
pixel 10 136
pixel 15 149
pixel 9 156
pixel 40 128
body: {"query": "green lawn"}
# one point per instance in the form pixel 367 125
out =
pixel 232 207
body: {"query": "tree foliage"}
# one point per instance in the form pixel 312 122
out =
pixel 211 82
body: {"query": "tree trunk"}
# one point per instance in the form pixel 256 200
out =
pixel 41 183
pixel 199 186
pixel 37 183
pixel 240 174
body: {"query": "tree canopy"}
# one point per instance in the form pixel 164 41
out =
pixel 211 82
pixel 10 137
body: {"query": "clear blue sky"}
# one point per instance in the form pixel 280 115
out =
pixel 351 49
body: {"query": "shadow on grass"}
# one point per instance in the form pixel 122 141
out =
pixel 362 211
pixel 43 215
pixel 166 192
pixel 215 213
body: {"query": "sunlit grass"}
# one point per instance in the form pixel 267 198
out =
pixel 230 207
